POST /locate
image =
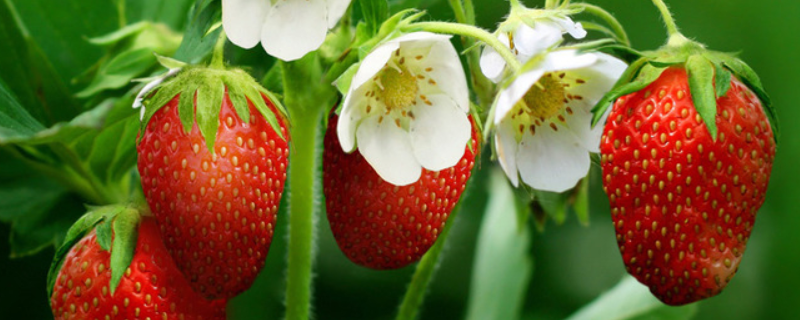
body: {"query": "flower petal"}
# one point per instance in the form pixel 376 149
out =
pixel 388 150
pixel 492 64
pixel 562 60
pixel 372 63
pixel 242 20
pixel 599 78
pixel 532 41
pixel 574 29
pixel 516 90
pixel 552 160
pixel 294 28
pixel 506 146
pixel 349 119
pixel 336 9
pixel 448 73
pixel 439 133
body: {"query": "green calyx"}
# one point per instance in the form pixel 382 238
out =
pixel 709 72
pixel 117 231
pixel 201 90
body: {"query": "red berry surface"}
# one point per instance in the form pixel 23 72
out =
pixel 382 226
pixel 151 287
pixel 683 204
pixel 216 211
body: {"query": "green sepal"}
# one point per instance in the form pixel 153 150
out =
pixel 104 235
pixel 168 62
pixel 639 75
pixel 79 229
pixel 125 226
pixel 202 90
pixel 701 86
pixel 209 103
pixel 752 81
pixel 722 80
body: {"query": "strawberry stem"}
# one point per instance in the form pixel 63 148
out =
pixel 217 60
pixel 669 22
pixel 612 22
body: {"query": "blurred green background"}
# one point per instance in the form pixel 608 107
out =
pixel 574 264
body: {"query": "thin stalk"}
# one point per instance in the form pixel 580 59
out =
pixel 469 10
pixel 409 308
pixel 469 31
pixel 480 84
pixel 458 10
pixel 515 4
pixel 218 59
pixel 669 22
pixel 101 193
pixel 123 20
pixel 306 106
pixel 550 4
pixel 601 13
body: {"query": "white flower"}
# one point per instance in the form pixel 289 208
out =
pixel 528 41
pixel 543 118
pixel 287 29
pixel 406 108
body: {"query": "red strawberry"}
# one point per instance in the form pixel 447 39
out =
pixel 380 225
pixel 216 210
pixel 683 204
pixel 151 287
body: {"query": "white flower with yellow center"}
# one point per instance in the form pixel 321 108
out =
pixel 406 108
pixel 543 118
pixel 527 40
pixel 287 29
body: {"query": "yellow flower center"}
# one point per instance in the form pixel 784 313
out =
pixel 543 100
pixel 399 88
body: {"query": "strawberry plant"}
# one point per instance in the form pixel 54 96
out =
pixel 477 159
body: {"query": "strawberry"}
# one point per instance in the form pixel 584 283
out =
pixel 214 177
pixel 382 226
pixel 148 286
pixel 686 156
pixel 683 204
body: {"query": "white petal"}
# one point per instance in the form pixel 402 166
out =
pixel 242 21
pixel 336 9
pixel 372 63
pixel 574 29
pixel 448 73
pixel 563 60
pixel 580 124
pixel 492 64
pixel 294 27
pixel 532 41
pixel 516 90
pixel 506 146
pixel 600 77
pixel 552 161
pixel 439 133
pixel 349 119
pixel 388 150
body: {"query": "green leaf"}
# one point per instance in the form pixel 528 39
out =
pixel 120 70
pixel 639 75
pixel 209 104
pixel 15 121
pixel 169 63
pixel 170 12
pixel 125 227
pixel 119 34
pixel 701 85
pixel 630 300
pixel 581 201
pixel 197 41
pixel 722 80
pixel 503 265
pixel 554 204
pixel 375 12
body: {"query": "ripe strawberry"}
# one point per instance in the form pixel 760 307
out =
pixel 151 287
pixel 217 209
pixel 382 226
pixel 683 204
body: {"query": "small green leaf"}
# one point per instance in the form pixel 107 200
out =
pixel 197 41
pixel 722 80
pixel 168 62
pixel 186 106
pixel 125 227
pixel 701 85
pixel 630 300
pixel 554 204
pixel 375 12
pixel 644 74
pixel 104 235
pixel 119 71
pixel 503 263
pixel 239 101
pixel 15 121
pixel 208 106
pixel 120 34
pixel 581 201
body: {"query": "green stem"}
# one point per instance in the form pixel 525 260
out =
pixel 480 84
pixel 306 105
pixel 669 22
pixel 469 10
pixel 409 308
pixel 601 13
pixel 469 31
pixel 101 195
pixel 218 58
pixel 458 10
pixel 550 4
pixel 123 20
